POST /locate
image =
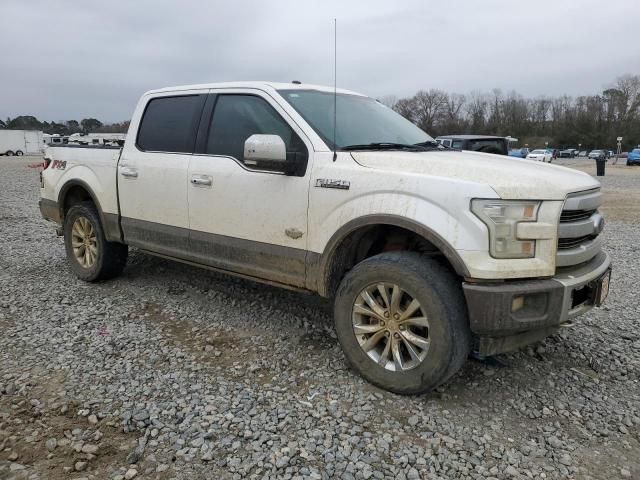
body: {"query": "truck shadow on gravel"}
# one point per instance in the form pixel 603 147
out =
pixel 233 346
pixel 181 279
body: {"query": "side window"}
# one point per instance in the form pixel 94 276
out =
pixel 457 144
pixel 168 124
pixel 237 117
pixel 446 142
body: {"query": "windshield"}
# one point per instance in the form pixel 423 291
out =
pixel 539 151
pixel 360 120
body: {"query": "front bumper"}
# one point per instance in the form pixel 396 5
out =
pixel 545 305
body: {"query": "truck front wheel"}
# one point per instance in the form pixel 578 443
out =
pixel 90 255
pixel 401 320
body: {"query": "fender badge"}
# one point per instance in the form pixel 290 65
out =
pixel 329 183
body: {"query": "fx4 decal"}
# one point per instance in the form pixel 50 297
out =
pixel 59 164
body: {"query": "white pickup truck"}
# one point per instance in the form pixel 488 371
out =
pixel 427 252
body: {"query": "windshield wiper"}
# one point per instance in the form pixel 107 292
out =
pixel 431 144
pixel 385 146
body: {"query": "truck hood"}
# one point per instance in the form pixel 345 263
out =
pixel 509 177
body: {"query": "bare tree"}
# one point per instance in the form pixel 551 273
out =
pixel 429 107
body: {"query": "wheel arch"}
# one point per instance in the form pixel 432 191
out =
pixel 81 191
pixel 327 266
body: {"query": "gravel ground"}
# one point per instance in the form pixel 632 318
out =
pixel 175 372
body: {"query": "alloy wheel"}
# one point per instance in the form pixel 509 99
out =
pixel 391 327
pixel 84 242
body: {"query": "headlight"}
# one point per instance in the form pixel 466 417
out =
pixel 502 218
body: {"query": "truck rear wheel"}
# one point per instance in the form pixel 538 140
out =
pixel 19 153
pixel 402 323
pixel 90 255
pixel 9 153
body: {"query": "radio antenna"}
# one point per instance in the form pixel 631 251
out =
pixel 335 88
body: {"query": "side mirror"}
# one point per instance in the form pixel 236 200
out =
pixel 265 151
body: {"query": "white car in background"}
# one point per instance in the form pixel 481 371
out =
pixel 540 155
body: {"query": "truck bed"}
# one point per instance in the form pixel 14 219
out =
pixel 94 168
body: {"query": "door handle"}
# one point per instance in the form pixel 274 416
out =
pixel 128 172
pixel 202 180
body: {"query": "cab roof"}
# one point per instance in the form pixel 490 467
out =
pixel 256 85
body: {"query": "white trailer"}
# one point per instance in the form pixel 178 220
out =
pixel 20 142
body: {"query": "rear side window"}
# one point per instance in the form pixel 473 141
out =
pixel 169 123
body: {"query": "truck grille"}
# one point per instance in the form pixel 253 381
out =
pixel 573 215
pixel 579 229
pixel 565 243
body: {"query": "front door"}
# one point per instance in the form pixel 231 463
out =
pixel 245 220
pixel 153 175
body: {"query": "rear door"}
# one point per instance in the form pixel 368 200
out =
pixel 32 141
pixel 243 219
pixel 152 173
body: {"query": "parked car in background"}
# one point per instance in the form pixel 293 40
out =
pixel 568 153
pixel 582 153
pixel 598 154
pixel 476 143
pixel 519 152
pixel 633 157
pixel 540 155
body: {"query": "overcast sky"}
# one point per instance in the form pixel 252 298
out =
pixel 71 59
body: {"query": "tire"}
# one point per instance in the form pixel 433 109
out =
pixel 439 293
pixel 19 153
pixel 9 153
pixel 109 258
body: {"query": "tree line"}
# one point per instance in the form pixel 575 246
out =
pixel 593 121
pixel 67 127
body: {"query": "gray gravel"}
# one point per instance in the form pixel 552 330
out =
pixel 174 372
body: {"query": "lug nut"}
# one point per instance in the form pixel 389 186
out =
pixel 386 314
pixel 382 324
pixel 395 335
pixel 396 316
pixel 402 327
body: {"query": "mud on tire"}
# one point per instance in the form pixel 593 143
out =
pixel 82 231
pixel 439 293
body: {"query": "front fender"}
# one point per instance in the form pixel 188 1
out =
pixel 449 227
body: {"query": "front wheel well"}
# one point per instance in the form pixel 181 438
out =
pixel 371 240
